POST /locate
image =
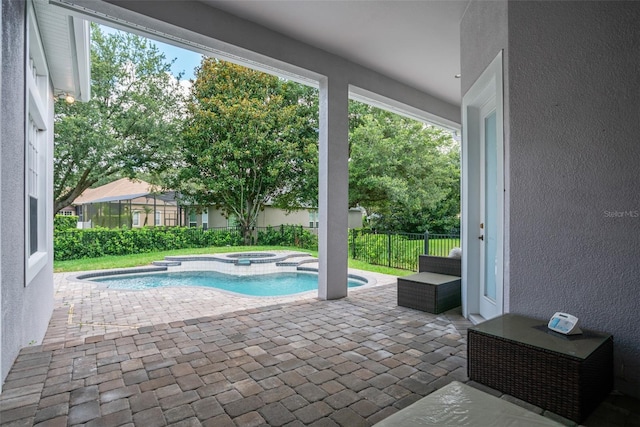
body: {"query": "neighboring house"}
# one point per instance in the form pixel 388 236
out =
pixel 129 203
pixel 68 211
pixel 126 203
pixel 45 58
pixel 562 115
pixel 270 216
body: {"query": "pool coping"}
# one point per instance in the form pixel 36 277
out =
pixel 234 257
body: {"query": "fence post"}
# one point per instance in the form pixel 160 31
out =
pixel 426 243
pixel 353 242
pixel 389 248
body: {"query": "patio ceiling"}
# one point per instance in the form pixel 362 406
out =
pixel 414 42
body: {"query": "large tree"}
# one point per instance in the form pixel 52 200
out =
pixel 406 174
pixel 130 125
pixel 250 139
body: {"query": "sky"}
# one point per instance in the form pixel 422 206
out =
pixel 186 61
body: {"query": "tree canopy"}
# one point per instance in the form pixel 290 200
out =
pixel 130 125
pixel 240 139
pixel 249 139
pixel 404 173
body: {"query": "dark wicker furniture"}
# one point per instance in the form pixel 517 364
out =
pixel 441 265
pixel 430 292
pixel 436 288
pixel 567 375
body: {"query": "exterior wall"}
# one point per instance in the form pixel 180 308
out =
pixel 26 310
pixel 3 36
pixel 216 219
pixel 571 160
pixel 355 218
pixel 483 33
pixel 575 210
pixel 272 216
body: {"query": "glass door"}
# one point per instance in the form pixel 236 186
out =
pixel 489 214
pixel 483 195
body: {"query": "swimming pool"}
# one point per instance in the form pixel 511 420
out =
pixel 273 284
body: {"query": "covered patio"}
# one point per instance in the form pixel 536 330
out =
pixel 568 223
pixel 173 357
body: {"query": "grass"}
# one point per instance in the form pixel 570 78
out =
pixel 441 247
pixel 124 261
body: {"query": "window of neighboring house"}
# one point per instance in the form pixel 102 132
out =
pixel 37 150
pixel 193 219
pixel 313 219
pixel 136 218
pixel 205 219
pixel 157 220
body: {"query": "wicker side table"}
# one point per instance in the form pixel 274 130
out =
pixel 430 292
pixel 567 375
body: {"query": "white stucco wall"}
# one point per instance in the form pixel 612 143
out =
pixel 25 310
pixel 572 152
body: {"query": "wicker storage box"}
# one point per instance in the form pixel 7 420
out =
pixel 430 292
pixel 567 375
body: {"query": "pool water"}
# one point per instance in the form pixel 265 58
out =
pixel 275 284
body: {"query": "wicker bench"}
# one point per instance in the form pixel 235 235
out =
pixel 457 404
pixel 517 355
pixel 436 288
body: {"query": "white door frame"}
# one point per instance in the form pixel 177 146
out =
pixel 488 87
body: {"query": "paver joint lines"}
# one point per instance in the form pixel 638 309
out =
pixel 347 362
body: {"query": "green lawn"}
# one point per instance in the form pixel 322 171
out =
pixel 124 261
pixel 441 247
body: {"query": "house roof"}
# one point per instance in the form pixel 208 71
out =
pixel 66 43
pixel 122 189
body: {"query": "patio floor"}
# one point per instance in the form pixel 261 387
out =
pixel 190 357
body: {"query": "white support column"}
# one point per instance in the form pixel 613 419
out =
pixel 334 188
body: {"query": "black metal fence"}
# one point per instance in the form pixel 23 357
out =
pixel 396 249
pixel 441 244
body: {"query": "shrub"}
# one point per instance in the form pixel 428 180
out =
pixel 96 242
pixel 288 235
pixel 64 222
pixel 398 250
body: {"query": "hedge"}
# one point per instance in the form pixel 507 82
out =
pixel 96 242
pixel 287 235
pixel 64 222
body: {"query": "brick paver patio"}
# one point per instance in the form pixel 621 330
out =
pixel 140 359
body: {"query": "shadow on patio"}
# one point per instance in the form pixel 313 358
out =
pixel 350 362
